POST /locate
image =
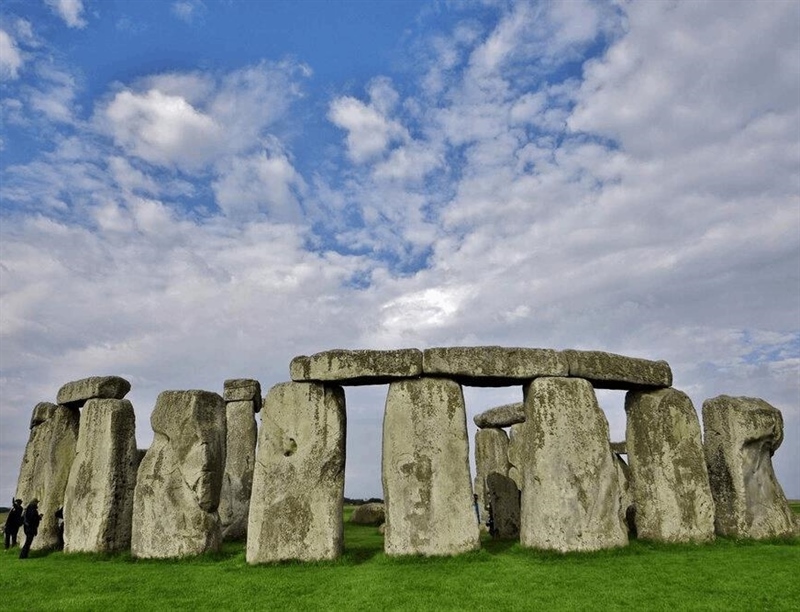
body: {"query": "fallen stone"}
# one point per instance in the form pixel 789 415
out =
pixel 492 366
pixel 425 470
pixel 610 371
pixel 76 393
pixel 243 389
pixel 359 367
pixel 669 479
pixel 369 514
pixel 491 456
pixel 570 492
pixel 741 435
pixel 45 467
pixel 504 500
pixel 98 501
pixel 240 458
pixel 298 484
pixel 180 478
pixel 501 416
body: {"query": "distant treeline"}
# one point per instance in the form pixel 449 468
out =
pixel 361 502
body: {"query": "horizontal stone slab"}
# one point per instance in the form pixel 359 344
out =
pixel 243 390
pixel 610 371
pixel 357 367
pixel 78 392
pixel 493 366
pixel 501 416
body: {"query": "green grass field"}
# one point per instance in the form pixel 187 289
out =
pixel 724 575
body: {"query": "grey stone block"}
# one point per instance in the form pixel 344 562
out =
pixel 77 392
pixel 610 371
pixel 492 366
pixel 358 367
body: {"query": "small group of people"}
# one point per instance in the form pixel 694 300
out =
pixel 28 519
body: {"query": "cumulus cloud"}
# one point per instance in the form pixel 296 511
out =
pixel 10 56
pixel 71 11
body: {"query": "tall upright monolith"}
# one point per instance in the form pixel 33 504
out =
pixel 98 502
pixel 425 470
pixel 491 456
pixel 298 484
pixel 46 464
pixel 179 480
pixel 668 475
pixel 570 493
pixel 741 435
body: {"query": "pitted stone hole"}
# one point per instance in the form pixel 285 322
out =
pixel 289 447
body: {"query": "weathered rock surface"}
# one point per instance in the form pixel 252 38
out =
pixel 46 463
pixel 621 448
pixel 570 492
pixel 627 509
pixel 359 367
pixel 610 371
pixel 243 390
pixel 492 366
pixel 372 513
pixel 77 392
pixel 179 480
pixel 501 416
pixel 504 499
pixel 425 470
pixel 298 484
pixel 98 502
pixel 491 456
pixel 240 459
pixel 741 435
pixel 669 480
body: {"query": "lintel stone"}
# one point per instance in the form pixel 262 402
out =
pixel 78 392
pixel 501 416
pixel 243 390
pixel 357 367
pixel 493 366
pixel 610 371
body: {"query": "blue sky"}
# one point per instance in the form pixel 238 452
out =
pixel 198 190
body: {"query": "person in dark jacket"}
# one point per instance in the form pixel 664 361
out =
pixel 13 523
pixel 31 519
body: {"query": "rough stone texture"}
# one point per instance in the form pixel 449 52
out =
pixel 98 502
pixel 491 456
pixel 669 480
pixel 501 416
pixel 179 480
pixel 516 476
pixel 492 366
pixel 360 367
pixel 298 485
pixel 515 450
pixel 741 435
pixel 240 458
pixel 76 393
pixel 425 470
pixel 46 463
pixel 504 498
pixel 243 390
pixel 621 448
pixel 369 514
pixel 610 371
pixel 570 492
pixel 626 508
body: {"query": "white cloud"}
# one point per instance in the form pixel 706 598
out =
pixel 10 57
pixel 70 11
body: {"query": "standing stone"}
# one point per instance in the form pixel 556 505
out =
pixel 98 502
pixel 179 480
pixel 491 456
pixel 298 484
pixel 504 499
pixel 669 480
pixel 741 435
pixel 425 470
pixel 45 465
pixel 570 493
pixel 243 400
pixel 627 510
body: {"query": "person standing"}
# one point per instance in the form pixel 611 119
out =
pixel 13 523
pixel 31 519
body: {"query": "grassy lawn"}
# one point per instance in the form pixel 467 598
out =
pixel 724 575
